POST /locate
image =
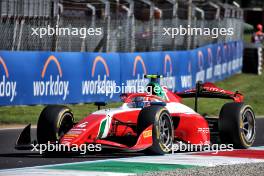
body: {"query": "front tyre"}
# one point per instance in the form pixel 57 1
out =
pixel 54 121
pixel 237 125
pixel 162 131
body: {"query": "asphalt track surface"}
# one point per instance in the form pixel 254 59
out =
pixel 11 158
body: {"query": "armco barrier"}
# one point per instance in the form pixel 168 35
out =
pixel 28 78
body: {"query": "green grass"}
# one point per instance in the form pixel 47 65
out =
pixel 30 114
pixel 247 38
pixel 250 85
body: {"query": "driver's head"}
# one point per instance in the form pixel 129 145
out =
pixel 139 102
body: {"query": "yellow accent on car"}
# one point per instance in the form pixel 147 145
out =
pixel 147 133
pixel 71 135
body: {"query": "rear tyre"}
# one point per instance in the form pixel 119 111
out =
pixel 162 131
pixel 54 121
pixel 237 125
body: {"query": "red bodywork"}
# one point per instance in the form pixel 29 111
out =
pixel 108 127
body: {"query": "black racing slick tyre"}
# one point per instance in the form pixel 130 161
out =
pixel 54 121
pixel 237 125
pixel 162 131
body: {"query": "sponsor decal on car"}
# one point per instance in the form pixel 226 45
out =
pixel 75 132
pixel 147 133
pixel 71 135
pixel 203 130
pixel 104 126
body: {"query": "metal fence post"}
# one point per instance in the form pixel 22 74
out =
pixel 130 38
pixel 201 25
pixel 59 12
pixel 189 38
pixel 157 36
pixel 128 35
pixel 107 24
pixel 151 15
pixel 14 34
pixel 174 19
pixel 20 33
pixel 91 7
pixel 217 14
pixel 133 45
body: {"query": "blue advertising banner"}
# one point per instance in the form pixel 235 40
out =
pixel 28 78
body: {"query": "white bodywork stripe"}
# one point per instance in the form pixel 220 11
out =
pixel 179 108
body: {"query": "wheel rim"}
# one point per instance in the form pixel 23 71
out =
pixel 248 127
pixel 165 131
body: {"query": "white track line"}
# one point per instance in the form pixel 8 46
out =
pixel 53 172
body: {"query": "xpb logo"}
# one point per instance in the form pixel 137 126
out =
pixel 7 87
pixel 52 86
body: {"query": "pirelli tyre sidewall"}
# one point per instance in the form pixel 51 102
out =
pixel 159 117
pixel 54 121
pixel 237 125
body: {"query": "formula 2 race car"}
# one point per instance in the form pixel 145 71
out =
pixel 150 122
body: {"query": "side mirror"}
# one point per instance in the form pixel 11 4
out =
pixel 99 104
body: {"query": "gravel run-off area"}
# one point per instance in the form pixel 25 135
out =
pixel 252 169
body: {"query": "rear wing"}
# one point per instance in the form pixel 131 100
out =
pixel 209 90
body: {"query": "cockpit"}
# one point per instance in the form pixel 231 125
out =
pixel 142 100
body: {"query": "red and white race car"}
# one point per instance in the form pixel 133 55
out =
pixel 150 122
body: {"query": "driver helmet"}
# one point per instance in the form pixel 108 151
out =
pixel 139 102
pixel 155 89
